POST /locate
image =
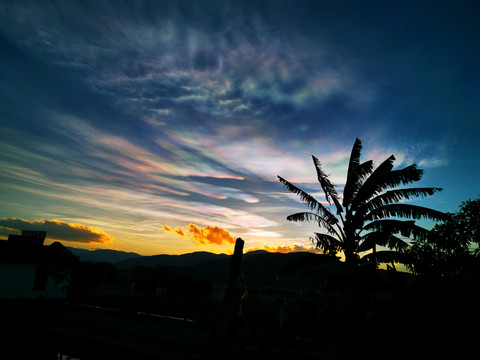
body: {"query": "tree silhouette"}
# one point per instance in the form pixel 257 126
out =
pixel 372 212
pixel 452 248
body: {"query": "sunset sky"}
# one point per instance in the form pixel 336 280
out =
pixel 161 126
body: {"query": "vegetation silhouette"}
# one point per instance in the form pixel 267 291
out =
pixel 451 251
pixel 372 213
pixel 368 215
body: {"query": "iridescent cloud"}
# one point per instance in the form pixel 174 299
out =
pixel 139 114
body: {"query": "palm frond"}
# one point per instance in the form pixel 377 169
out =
pixel 369 240
pixel 406 228
pixel 393 196
pixel 323 221
pixel 327 243
pixel 307 217
pixel 356 172
pixel 365 169
pixel 404 211
pixel 325 214
pixel 313 203
pixel 388 256
pixel 391 179
pixel 352 172
pixel 371 184
pixel 327 186
pixel 354 182
pixel 394 242
pixel 403 176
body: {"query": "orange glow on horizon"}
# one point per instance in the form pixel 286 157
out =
pixel 284 249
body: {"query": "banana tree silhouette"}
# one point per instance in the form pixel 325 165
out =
pixel 370 213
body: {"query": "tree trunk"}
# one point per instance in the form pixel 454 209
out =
pixel 349 299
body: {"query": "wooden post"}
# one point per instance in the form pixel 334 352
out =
pixel 232 288
pixel 227 331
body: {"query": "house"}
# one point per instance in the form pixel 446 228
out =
pixel 29 269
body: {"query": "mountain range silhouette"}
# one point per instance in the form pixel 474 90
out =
pixel 258 267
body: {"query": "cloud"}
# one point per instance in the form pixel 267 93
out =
pixel 167 228
pixel 182 101
pixel 206 235
pixel 210 234
pixel 165 57
pixel 177 230
pixel 59 230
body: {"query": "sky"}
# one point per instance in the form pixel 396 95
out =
pixel 160 127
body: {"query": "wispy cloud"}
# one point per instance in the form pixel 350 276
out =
pixel 220 71
pixel 182 112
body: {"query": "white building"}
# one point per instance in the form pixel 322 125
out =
pixel 29 269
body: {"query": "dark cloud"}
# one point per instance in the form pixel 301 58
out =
pixel 59 230
pixel 205 60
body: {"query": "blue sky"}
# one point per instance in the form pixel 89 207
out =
pixel 160 126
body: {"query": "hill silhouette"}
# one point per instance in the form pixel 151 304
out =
pixel 258 268
pixel 184 260
pixel 103 255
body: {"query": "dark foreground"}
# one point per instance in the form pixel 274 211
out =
pixel 416 319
